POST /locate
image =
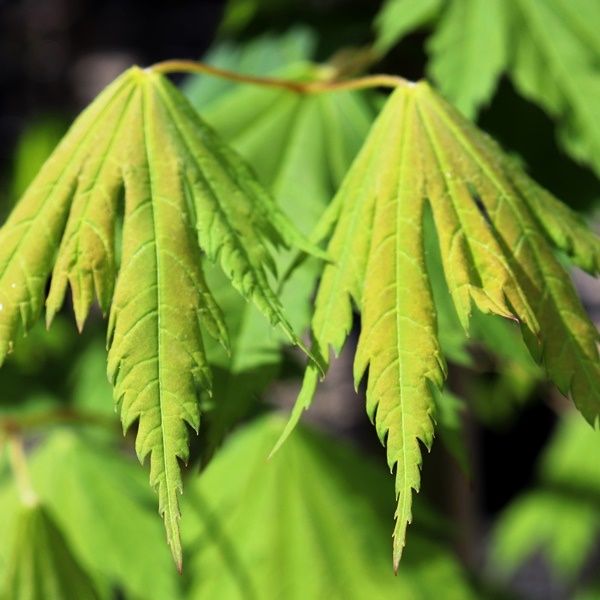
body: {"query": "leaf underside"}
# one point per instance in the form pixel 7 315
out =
pixel 300 146
pixel 184 193
pixel 496 231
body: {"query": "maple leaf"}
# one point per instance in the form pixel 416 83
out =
pixel 549 49
pixel 185 194
pixel 496 231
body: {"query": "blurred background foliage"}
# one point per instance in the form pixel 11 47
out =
pixel 510 506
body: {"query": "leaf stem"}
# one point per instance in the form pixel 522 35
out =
pixel 18 464
pixel 298 87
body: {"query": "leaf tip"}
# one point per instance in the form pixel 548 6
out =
pixel 178 558
pixel 50 314
pixel 174 541
pixel 397 555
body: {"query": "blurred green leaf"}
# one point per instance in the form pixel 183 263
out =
pixel 33 376
pixel 239 13
pixel 41 565
pixel 449 408
pixel 469 50
pixel 309 523
pixel 549 48
pixel 262 55
pixel 561 518
pixel 556 63
pixel 399 17
pixel 42 345
pixel 80 480
pixel 591 592
pixel 91 390
pixel 510 378
pixel 100 502
pixel 562 529
pixel 566 461
pixel 300 148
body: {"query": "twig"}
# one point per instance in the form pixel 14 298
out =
pixel 298 87
pixel 13 425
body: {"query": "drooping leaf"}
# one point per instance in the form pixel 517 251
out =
pixel 496 231
pixel 273 530
pixel 185 193
pixel 41 565
pixel 549 49
pixel 300 148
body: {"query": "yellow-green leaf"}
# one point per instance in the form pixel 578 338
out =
pixel 496 231
pixel 142 145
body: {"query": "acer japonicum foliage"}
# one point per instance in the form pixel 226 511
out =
pixel 475 42
pixel 141 155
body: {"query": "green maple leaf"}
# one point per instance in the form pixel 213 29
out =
pixel 300 146
pixel 549 49
pixel 469 51
pixel 77 476
pixel 556 64
pixel 399 17
pixel 74 475
pixel 496 231
pixel 40 564
pixel 185 194
pixel 272 530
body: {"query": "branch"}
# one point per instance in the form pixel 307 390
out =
pixel 312 87
pixel 12 425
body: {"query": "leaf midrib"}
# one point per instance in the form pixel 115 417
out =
pixel 408 110
pixel 147 153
